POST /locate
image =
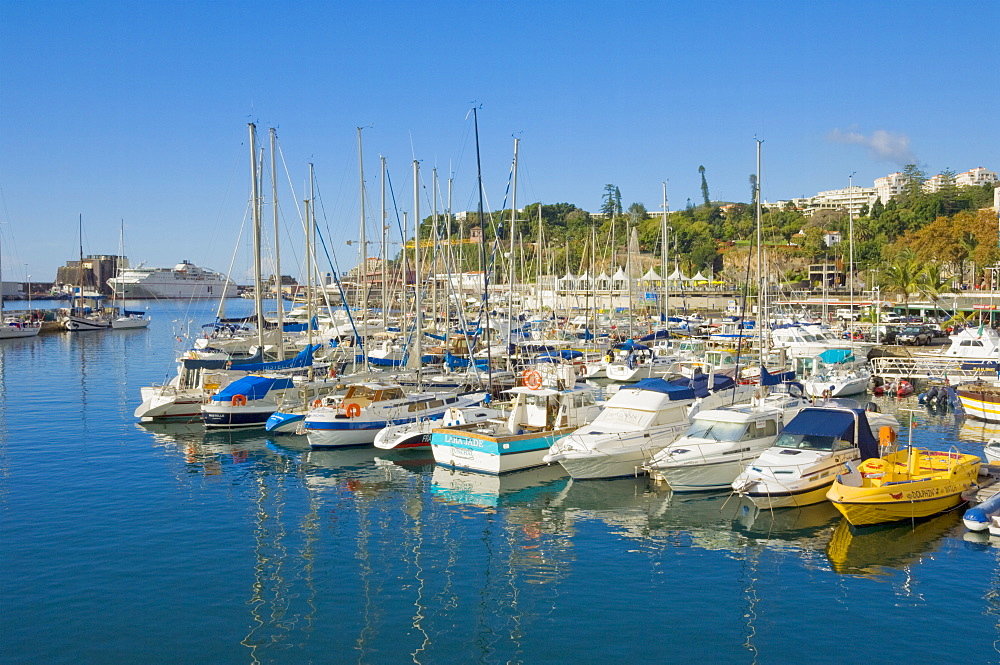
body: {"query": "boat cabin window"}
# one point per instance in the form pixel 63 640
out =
pixel 760 429
pixel 810 442
pixel 716 430
pixel 420 406
pixel 389 393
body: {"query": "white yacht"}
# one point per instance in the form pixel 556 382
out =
pixel 811 450
pixel 640 420
pixel 721 442
pixel 184 280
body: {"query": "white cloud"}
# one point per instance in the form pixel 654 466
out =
pixel 881 145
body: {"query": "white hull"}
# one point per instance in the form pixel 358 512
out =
pixel 169 403
pixel 10 332
pixel 80 323
pixel 183 281
pixel 597 466
pixel 129 322
pixel 714 474
pixel 802 497
pixel 336 438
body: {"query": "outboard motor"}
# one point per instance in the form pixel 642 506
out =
pixel 872 407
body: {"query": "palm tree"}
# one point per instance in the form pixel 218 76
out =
pixel 931 282
pixel 901 276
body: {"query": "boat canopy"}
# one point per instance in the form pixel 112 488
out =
pixel 699 383
pixel 302 359
pixel 768 379
pixel 631 345
pixel 555 356
pixel 672 390
pixel 252 387
pixel 818 421
pixel 836 356
pixel 659 334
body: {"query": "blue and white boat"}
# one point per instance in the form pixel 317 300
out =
pixel 538 416
pixel 246 402
pixel 368 408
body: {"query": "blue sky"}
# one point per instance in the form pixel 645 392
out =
pixel 137 111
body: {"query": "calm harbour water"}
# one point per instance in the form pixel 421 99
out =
pixel 167 544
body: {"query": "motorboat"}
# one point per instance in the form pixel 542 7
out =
pixel 631 360
pixel 811 450
pixel 366 408
pixel 636 422
pixel 641 419
pixel 246 402
pixel 905 484
pixel 837 374
pixel 721 442
pixel 539 415
pixel 418 434
pixel 991 450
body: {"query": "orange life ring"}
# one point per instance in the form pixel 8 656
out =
pixel 352 410
pixel 239 400
pixel 581 370
pixel 317 403
pixel 533 379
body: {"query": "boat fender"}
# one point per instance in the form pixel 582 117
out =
pixel 239 400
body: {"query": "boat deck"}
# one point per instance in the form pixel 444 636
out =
pixel 988 486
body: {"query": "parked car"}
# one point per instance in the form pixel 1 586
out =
pixel 918 335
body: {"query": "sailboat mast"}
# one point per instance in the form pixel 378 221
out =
pixel 665 260
pixel 432 271
pixel 510 287
pixel 761 282
pixel 385 248
pixel 363 265
pixel 416 349
pixel 277 250
pixel 255 207
pixel 482 253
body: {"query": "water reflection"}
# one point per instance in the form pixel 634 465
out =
pixel 872 551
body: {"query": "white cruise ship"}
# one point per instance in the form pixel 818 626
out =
pixel 184 280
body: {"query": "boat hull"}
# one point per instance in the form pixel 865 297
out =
pixel 806 496
pixel 709 476
pixel 870 511
pixel 981 403
pixel 169 404
pixel 82 324
pixel 473 451
pixel 281 422
pixel 227 416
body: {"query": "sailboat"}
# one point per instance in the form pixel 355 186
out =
pixel 84 313
pixel 125 318
pixel 15 326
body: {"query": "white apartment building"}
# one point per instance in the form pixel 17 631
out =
pixel 890 186
pixel 975 177
pixel 853 199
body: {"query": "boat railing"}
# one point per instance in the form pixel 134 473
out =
pixel 909 368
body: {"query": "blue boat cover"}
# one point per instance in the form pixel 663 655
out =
pixel 631 345
pixel 768 379
pixel 835 356
pixel 302 359
pixel 252 387
pixel 669 388
pixel 659 334
pixel 564 354
pixel 818 421
pixel 699 383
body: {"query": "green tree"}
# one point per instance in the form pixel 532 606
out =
pixel 931 282
pixel 753 189
pixel 612 200
pixel 704 187
pixel 900 277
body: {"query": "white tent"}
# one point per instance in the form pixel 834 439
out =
pixel 620 280
pixel 699 278
pixel 603 282
pixel 678 276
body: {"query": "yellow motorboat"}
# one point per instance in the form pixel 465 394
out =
pixel 909 483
